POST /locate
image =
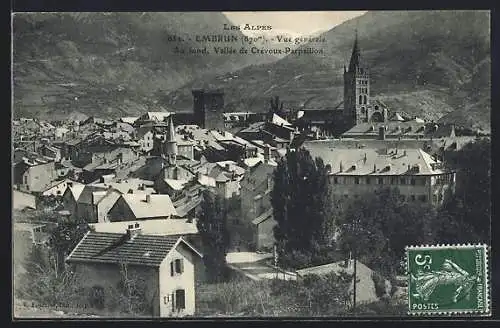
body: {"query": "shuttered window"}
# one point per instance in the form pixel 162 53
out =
pixel 179 266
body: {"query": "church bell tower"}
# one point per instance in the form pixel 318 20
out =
pixel 356 89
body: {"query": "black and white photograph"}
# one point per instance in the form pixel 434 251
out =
pixel 250 164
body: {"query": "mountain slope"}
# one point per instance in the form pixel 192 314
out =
pixel 422 62
pixel 109 63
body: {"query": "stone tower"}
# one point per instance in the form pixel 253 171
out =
pixel 208 106
pixel 171 144
pixel 356 89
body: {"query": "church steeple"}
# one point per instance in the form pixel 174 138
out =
pixel 355 61
pixel 356 89
pixel 171 143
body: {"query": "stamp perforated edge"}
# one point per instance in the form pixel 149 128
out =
pixel 487 309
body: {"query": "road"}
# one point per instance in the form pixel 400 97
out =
pixel 253 265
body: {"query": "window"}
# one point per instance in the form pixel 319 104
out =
pixel 25 179
pixel 402 181
pixel 176 267
pixel 335 180
pixel 412 181
pixel 412 197
pixel 365 100
pixel 97 297
pixel 393 181
pixel 360 99
pixel 180 299
pixel 368 180
pixel 380 180
pixel 435 198
pixel 356 180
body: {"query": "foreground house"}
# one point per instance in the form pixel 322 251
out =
pixel 168 266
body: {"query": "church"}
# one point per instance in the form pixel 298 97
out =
pixel 357 106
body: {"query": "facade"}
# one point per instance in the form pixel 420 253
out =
pixel 263 230
pixel 355 172
pixel 252 227
pixel 167 266
pixel 34 176
pixel 208 106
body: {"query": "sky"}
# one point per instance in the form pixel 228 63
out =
pixel 301 22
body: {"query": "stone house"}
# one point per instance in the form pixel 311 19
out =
pixel 167 266
pixel 34 175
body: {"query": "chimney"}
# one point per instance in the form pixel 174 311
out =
pixel 133 230
pixel 364 158
pixel 341 167
pixel 148 198
pixel 404 153
pixel 228 166
pixel 374 167
pixel 381 133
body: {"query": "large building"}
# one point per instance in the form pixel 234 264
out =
pixel 356 172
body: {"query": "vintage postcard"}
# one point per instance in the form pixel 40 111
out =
pixel 251 164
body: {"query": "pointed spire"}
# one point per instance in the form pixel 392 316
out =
pixel 171 130
pixel 354 63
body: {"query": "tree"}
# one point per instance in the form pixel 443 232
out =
pixel 42 283
pixel 65 237
pixel 276 106
pixel 380 225
pixel 467 214
pixel 300 201
pixel 214 236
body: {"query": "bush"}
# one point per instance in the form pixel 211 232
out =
pixel 243 297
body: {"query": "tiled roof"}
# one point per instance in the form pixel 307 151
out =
pixel 125 185
pixel 129 120
pixel 280 121
pixel 160 205
pixel 85 196
pixel 105 247
pixel 187 205
pixel 163 227
pixel 376 161
pixel 263 217
pixel 408 129
pixel 175 184
pixel 206 180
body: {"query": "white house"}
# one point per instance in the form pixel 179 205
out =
pixel 168 266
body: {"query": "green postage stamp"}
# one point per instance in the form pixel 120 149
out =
pixel 448 280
